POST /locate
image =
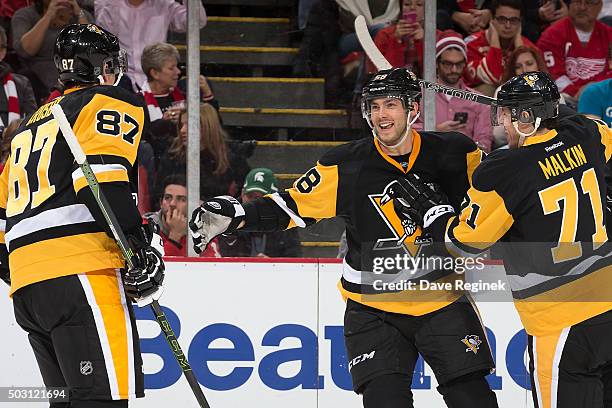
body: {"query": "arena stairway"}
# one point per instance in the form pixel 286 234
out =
pixel 247 51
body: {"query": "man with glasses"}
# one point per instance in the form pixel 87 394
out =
pixel 577 49
pixel 454 114
pixel 489 49
pixel 16 96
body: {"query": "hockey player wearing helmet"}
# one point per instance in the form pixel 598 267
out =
pixel 545 199
pixel 56 250
pixel 385 327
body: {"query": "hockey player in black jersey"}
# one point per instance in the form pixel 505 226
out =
pixel 385 329
pixel 68 288
pixel 544 200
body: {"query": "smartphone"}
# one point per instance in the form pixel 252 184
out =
pixel 409 16
pixel 460 117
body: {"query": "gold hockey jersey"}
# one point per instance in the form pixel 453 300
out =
pixel 48 233
pixel 545 202
pixel 349 182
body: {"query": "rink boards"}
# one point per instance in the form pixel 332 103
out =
pixel 269 334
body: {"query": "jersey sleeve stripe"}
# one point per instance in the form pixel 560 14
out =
pixel 297 221
pixel 103 177
pixel 70 214
pixel 97 169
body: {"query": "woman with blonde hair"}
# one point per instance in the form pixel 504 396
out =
pixel 220 171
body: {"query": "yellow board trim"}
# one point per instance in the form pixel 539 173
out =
pixel 268 80
pixel 219 19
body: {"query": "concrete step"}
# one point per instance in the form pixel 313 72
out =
pixel 289 159
pixel 251 56
pixel 241 31
pixel 285 118
pixel 244 92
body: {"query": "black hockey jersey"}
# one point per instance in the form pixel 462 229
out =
pixel 47 231
pixel 546 202
pixel 349 182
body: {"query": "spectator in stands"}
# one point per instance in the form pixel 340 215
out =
pixel 16 95
pixel 8 8
pixel 279 244
pixel 463 16
pixel 163 97
pixel 596 101
pixel 138 23
pixel 539 15
pixel 34 31
pixel 402 43
pixel 377 14
pixel 221 172
pixel 488 50
pixel 454 114
pixel 523 59
pixel 577 49
pixel 7 137
pixel 172 218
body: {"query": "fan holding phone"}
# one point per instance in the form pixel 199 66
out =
pixel 402 42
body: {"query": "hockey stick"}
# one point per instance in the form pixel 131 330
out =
pixel 379 60
pixel 127 252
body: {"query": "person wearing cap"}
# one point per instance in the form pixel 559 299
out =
pixel 454 114
pixel 283 244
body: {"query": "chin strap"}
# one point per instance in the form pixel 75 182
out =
pixel 522 135
pixel 409 124
pixel 119 76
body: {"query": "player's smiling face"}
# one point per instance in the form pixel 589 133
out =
pixel 389 119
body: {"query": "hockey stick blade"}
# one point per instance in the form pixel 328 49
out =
pixel 379 60
pixel 122 242
pixel 371 50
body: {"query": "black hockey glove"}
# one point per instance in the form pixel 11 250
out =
pixel 144 282
pixel 422 202
pixel 220 215
pixel 5 274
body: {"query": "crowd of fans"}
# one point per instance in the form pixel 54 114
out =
pixel 480 44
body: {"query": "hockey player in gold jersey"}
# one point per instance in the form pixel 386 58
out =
pixel 58 255
pixel 385 329
pixel 544 200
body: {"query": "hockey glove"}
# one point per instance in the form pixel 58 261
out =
pixel 415 199
pixel 220 215
pixel 144 282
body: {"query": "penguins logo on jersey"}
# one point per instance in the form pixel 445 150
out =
pixel 406 233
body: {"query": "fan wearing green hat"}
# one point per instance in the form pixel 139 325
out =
pixel 282 244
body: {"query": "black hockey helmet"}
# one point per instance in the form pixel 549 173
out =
pixel 529 96
pixel 390 83
pixel 83 52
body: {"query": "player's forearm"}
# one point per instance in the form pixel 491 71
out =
pixel 264 215
pixel 121 202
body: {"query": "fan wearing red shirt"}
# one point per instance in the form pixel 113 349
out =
pixel 489 49
pixel 577 48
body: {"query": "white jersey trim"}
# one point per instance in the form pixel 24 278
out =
pixel 56 217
